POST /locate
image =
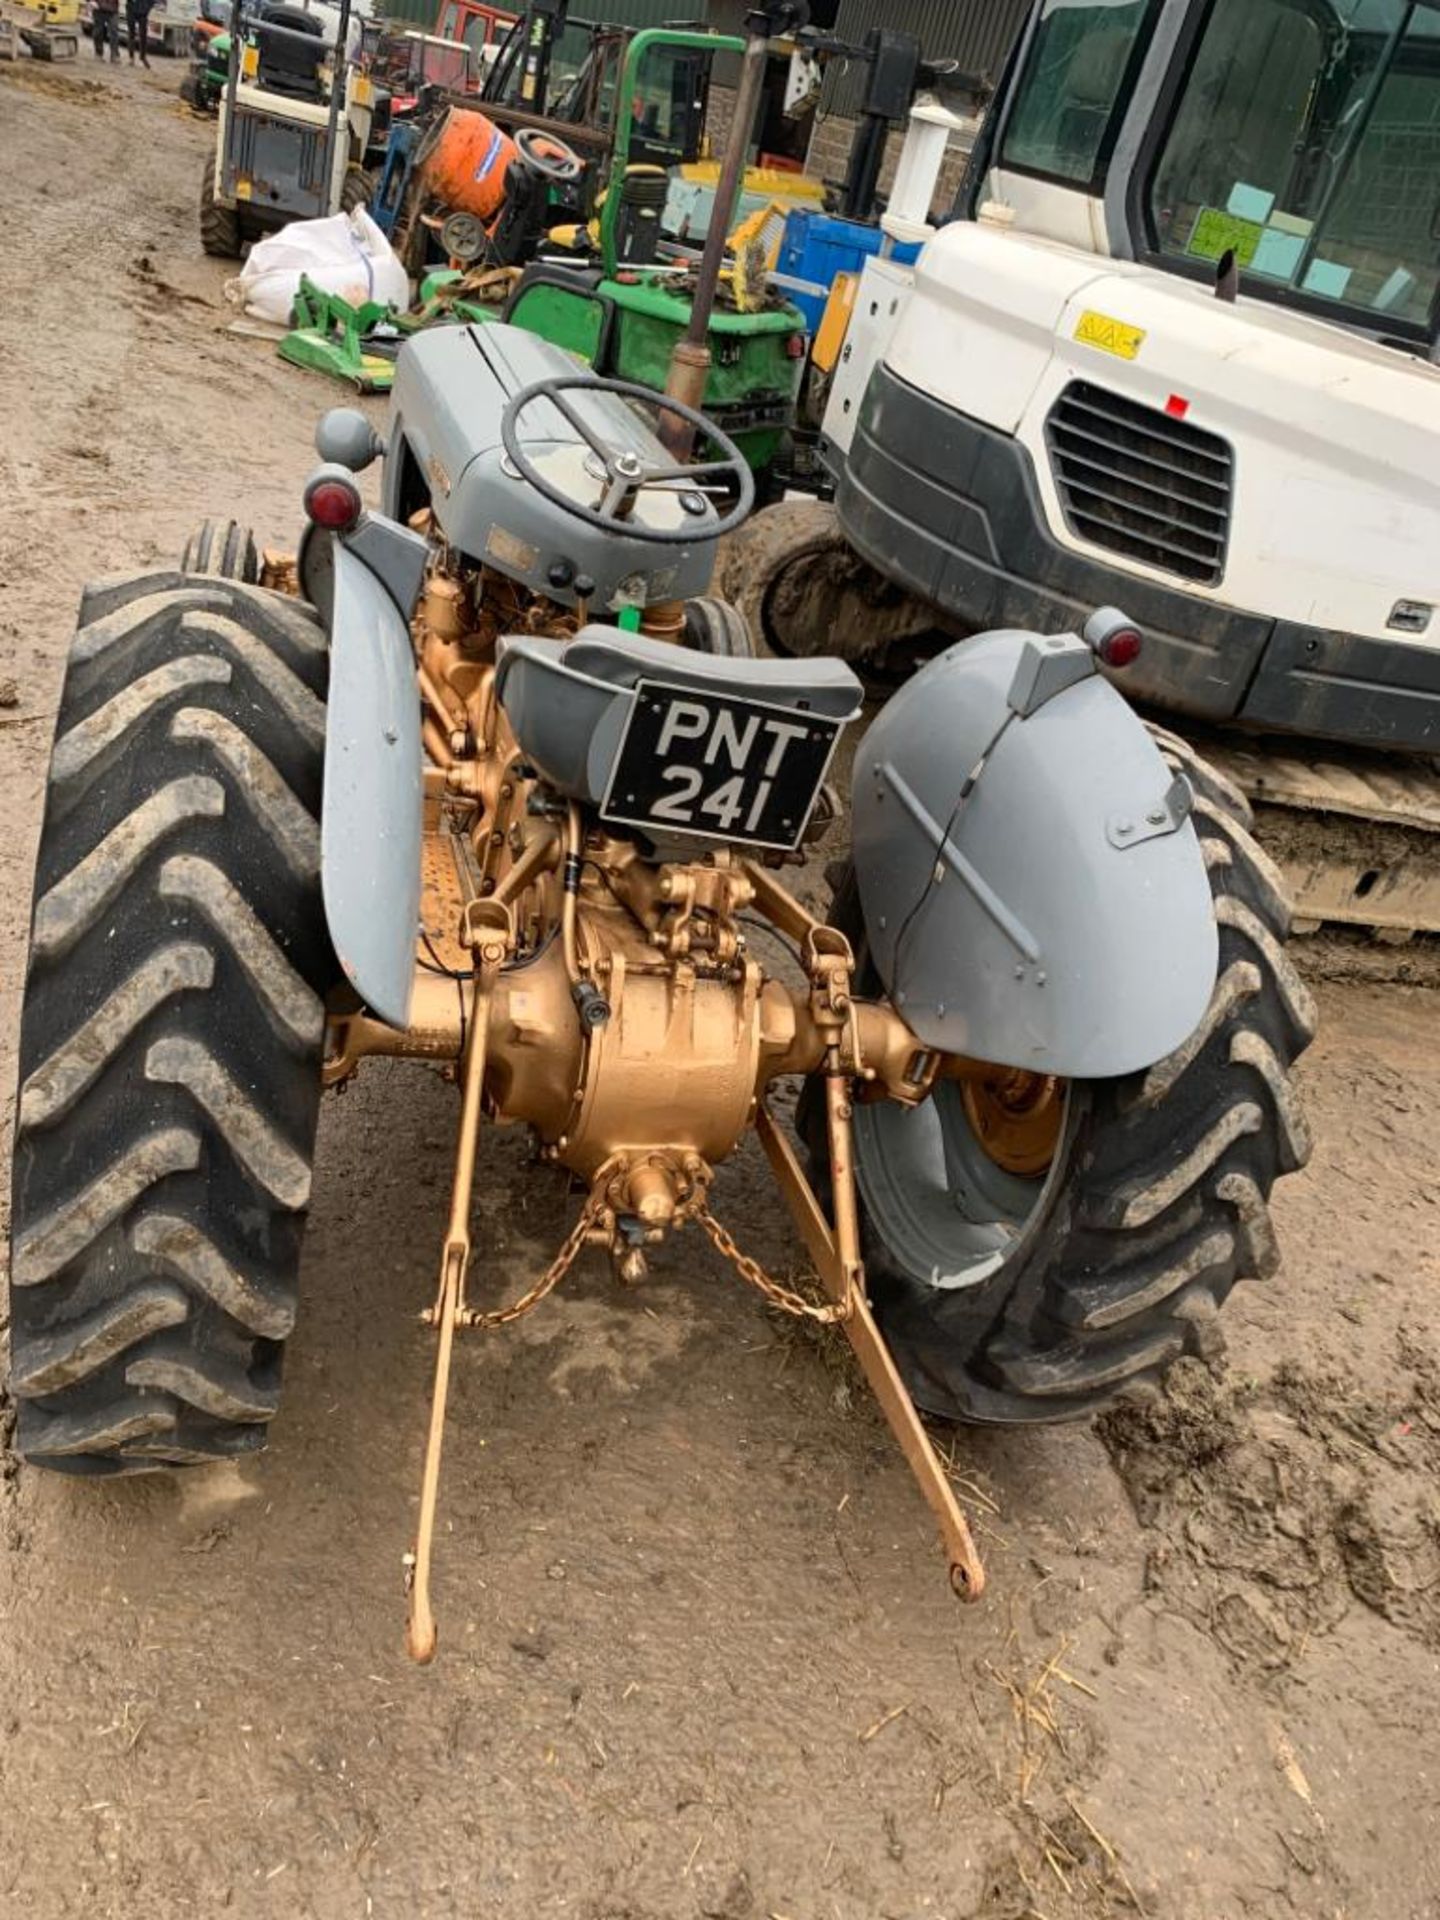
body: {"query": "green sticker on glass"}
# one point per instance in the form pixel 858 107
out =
pixel 1216 233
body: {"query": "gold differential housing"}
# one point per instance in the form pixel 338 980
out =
pixel 613 1005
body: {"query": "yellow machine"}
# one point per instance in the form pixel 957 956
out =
pixel 753 244
pixel 51 29
pixel 835 322
pixel 776 183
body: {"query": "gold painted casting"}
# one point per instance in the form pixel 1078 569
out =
pixel 613 1004
pixel 1016 1117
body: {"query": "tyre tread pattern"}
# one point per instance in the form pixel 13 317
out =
pixel 1165 1201
pixel 357 189
pixel 172 1027
pixel 717 627
pixel 219 225
pixel 225 549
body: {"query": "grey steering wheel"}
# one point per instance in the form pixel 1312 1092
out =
pixel 626 474
pixel 560 163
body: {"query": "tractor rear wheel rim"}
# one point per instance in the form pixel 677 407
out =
pixel 941 1197
pixel 1016 1117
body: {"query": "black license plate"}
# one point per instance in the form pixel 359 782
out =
pixel 718 766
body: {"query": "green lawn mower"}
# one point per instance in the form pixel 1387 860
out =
pixel 204 82
pixel 600 292
pixel 622 310
pixel 625 323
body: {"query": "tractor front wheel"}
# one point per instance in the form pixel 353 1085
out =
pixel 715 626
pixel 225 549
pixel 171 1029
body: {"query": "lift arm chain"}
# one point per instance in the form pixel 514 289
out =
pixel 828 1313
pixel 556 1271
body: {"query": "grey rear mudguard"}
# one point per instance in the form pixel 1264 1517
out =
pixel 1032 887
pixel 372 816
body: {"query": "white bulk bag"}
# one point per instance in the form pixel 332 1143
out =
pixel 346 254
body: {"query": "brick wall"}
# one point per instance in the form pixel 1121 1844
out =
pixel 830 148
pixel 829 156
pixel 719 112
pixel 829 151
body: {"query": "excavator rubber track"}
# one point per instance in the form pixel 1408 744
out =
pixel 1356 835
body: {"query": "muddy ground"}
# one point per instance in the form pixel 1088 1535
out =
pixel 698 1658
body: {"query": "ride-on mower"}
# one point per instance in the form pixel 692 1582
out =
pixel 622 313
pixel 495 785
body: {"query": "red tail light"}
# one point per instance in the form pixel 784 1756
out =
pixel 1114 637
pixel 333 503
pixel 1121 649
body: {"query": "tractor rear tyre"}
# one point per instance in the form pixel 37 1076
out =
pixel 1033 1248
pixel 357 189
pixel 224 549
pixel 171 1030
pixel 219 224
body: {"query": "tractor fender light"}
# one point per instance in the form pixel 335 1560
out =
pixel 1121 649
pixel 1113 638
pixel 795 346
pixel 332 499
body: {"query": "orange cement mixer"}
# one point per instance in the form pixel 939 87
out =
pixel 465 164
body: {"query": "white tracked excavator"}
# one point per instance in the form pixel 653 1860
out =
pixel 1175 351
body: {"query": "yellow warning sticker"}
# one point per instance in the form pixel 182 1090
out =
pixel 1109 335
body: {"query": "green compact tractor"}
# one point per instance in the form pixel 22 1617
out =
pixel 204 84
pixel 624 310
pixel 627 324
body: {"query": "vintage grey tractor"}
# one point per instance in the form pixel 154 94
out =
pixel 484 778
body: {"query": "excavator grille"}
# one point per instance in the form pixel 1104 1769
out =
pixel 1139 482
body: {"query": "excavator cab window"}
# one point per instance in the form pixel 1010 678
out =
pixel 1305 140
pixel 1076 82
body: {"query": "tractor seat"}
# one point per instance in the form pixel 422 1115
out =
pixel 287 66
pixel 568 701
pixel 826 687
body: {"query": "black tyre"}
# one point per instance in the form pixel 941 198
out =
pixel 803 591
pixel 225 549
pixel 171 1030
pixel 356 190
pixel 714 626
pixel 219 225
pixel 1035 1248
